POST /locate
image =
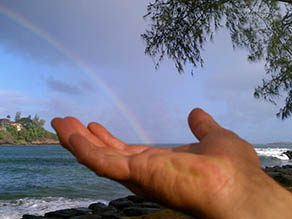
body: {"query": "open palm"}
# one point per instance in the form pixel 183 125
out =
pixel 193 178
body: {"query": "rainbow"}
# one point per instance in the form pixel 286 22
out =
pixel 20 20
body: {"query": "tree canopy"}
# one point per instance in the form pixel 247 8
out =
pixel 179 30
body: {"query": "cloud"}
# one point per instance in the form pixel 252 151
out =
pixel 86 85
pixel 79 89
pixel 63 87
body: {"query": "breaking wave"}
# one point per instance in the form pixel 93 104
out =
pixel 14 209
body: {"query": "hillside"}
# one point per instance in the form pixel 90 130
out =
pixel 25 130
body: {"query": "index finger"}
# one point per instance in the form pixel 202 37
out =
pixel 69 126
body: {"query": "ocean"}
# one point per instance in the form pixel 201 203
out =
pixel 39 179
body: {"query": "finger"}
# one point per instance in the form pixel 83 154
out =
pixel 105 136
pixel 202 123
pixel 62 131
pixel 68 126
pixel 104 161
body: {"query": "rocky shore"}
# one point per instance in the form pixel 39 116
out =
pixel 134 207
pixel 46 142
pixel 34 143
pixel 282 175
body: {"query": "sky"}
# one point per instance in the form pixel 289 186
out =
pixel 86 59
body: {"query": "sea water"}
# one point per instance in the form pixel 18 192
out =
pixel 272 154
pixel 39 179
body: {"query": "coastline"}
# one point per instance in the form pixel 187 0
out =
pixel 37 143
pixel 131 206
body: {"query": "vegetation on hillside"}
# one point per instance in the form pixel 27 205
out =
pixel 32 130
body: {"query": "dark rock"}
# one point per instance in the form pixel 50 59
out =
pixel 111 215
pixel 282 175
pixel 121 203
pixel 136 199
pixel 67 213
pixel 277 169
pixel 138 211
pixel 283 179
pixel 83 211
pixel 105 211
pixel 268 169
pixel 288 154
pixel 87 217
pixel 287 167
pixel 165 214
pixel 98 207
pixel 149 205
pixel 28 216
pixel 130 206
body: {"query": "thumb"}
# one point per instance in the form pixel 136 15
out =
pixel 202 124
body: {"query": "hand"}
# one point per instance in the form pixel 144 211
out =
pixel 219 177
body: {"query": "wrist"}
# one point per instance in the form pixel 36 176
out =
pixel 265 198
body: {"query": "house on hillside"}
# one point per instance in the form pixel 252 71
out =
pixel 17 125
pixel 6 122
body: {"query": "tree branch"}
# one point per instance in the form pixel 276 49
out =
pixel 286 1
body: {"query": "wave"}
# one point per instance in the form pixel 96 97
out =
pixel 273 153
pixel 14 209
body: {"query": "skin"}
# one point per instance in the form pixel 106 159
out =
pixel 219 177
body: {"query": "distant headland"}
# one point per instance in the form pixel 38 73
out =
pixel 25 131
pixel 279 143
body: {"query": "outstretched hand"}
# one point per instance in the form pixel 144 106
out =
pixel 215 178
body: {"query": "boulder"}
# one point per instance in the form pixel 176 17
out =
pixel 149 205
pixel 138 211
pixel 162 214
pixel 121 203
pixel 68 213
pixel 282 175
pixel 87 217
pixel 131 206
pixel 288 154
pixel 98 207
pixel 287 167
pixel 136 199
pixel 28 216
pixel 111 215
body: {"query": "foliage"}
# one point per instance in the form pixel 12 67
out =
pixel 180 29
pixel 2 134
pixel 33 130
pixel 12 130
pixel 38 122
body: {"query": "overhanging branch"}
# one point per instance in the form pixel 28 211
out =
pixel 286 1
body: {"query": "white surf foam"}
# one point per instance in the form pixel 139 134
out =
pixel 273 152
pixel 15 209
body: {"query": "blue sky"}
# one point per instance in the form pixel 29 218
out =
pixel 38 78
